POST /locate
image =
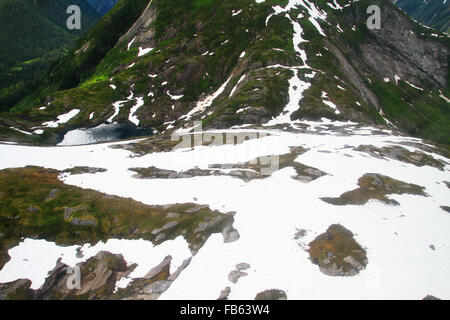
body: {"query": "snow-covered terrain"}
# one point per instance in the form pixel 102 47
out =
pixel 408 246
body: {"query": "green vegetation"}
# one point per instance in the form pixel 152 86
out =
pixel 197 47
pixel 79 64
pixel 33 35
pixel 420 113
pixel 34 203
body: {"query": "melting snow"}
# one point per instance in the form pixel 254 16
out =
pixel 269 211
pixel 64 118
pixel 207 102
pixel 144 51
pixel 132 117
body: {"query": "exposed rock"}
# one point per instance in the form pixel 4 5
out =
pixel 83 170
pixel 196 209
pixel 87 222
pixel 234 275
pixel 337 253
pixel 170 225
pixel 160 237
pixel 300 234
pixel 97 280
pixel 157 287
pixel 248 171
pixel 148 146
pixel 432 247
pixel 208 224
pixel 445 208
pixel 153 284
pixel 172 215
pixel 16 290
pixel 272 294
pixel 98 276
pixel 225 293
pixel 376 186
pixel 33 209
pixel 430 297
pixel 398 153
pixel 52 195
pixel 79 253
pixel 159 268
pixel 82 220
pixel 90 216
pixel 355 263
pixel 243 266
pixel 183 266
pixel 306 174
pixel 230 234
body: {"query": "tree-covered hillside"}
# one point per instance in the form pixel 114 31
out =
pixel 102 6
pixel 32 35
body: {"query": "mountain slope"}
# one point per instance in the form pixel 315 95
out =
pixel 102 6
pixel 32 35
pixel 241 62
pixel 285 199
pixel 433 13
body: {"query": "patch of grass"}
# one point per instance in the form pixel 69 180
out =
pixel 26 211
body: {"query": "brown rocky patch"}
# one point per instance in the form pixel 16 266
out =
pixel 97 280
pixel 337 253
pixel 416 158
pixel 272 294
pixel 375 186
pixel 83 170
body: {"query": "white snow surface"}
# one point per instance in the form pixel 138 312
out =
pixel 64 118
pixel 133 117
pixel 268 213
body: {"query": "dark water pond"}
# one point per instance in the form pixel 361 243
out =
pixel 103 133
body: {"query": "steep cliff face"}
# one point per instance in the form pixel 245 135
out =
pixel 229 63
pixel 399 47
pixel 432 13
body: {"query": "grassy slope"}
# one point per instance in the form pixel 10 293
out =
pixel 26 211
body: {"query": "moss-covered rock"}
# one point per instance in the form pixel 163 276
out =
pixel 416 158
pixel 272 294
pixel 16 290
pixel 337 253
pixel 377 187
pixel 75 216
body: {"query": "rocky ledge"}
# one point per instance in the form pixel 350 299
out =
pixel 96 280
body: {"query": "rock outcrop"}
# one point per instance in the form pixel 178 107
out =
pixel 272 294
pixel 337 253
